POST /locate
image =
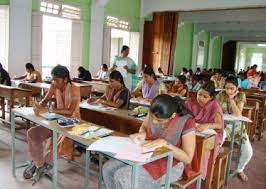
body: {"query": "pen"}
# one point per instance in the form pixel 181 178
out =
pixel 91 131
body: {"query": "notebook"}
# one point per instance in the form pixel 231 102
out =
pixel 51 116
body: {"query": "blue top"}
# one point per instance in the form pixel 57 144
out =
pixel 244 84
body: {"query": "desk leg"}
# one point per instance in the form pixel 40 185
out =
pixel 55 166
pixel 168 172
pixel 13 151
pixel 134 177
pixel 240 145
pixel 100 171
pixel 11 106
pixel 87 169
pixel 230 153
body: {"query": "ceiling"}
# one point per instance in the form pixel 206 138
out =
pixel 239 25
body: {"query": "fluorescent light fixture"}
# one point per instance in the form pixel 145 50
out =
pixel 261 45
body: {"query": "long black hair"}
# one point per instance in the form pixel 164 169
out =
pixel 61 72
pixel 116 75
pixel 149 71
pixel 29 66
pixel 163 106
pixel 231 79
pixel 209 86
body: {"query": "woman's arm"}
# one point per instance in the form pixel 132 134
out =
pixel 218 123
pixel 188 148
pixel 236 108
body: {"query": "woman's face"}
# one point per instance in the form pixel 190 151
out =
pixel 114 83
pixel 59 82
pixel 148 78
pixel 203 97
pixel 230 89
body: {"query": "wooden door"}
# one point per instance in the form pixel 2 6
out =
pixel 229 56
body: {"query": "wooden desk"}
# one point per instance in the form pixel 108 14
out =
pixel 98 86
pixel 249 112
pixel 119 120
pixel 10 94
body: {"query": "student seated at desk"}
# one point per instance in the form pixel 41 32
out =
pixel 102 73
pixel 67 100
pixel 116 95
pixel 149 87
pixel 160 72
pixel 169 125
pixel 196 83
pixel 218 79
pixel 31 74
pixel 4 76
pixel 232 102
pixel 179 88
pixel 208 114
pixel 84 74
pixel 243 82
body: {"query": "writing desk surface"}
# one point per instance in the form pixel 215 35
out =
pixel 28 113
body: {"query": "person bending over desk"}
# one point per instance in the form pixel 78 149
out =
pixel 31 74
pixel 208 114
pixel 4 76
pixel 67 100
pixel 116 94
pixel 84 74
pixel 167 125
pixel 149 87
pixel 232 102
pixel 179 88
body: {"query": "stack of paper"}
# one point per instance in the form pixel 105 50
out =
pixel 122 148
pixel 206 133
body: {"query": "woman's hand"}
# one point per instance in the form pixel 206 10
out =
pixel 138 137
pixel 232 96
pixel 37 108
pixel 201 127
pixel 152 145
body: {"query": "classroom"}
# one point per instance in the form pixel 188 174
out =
pixel 132 94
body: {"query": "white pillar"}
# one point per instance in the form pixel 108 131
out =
pixel 96 35
pixel 19 35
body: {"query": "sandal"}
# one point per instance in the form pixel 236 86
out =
pixel 29 171
pixel 242 176
pixel 40 172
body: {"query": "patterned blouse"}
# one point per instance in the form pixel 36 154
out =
pixel 227 109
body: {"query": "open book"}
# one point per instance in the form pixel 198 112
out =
pixel 121 148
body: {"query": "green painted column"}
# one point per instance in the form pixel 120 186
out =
pixel 184 45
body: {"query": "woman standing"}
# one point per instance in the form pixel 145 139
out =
pixel 127 67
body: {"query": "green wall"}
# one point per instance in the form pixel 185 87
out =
pixel 85 6
pixel 249 53
pixel 4 2
pixel 184 46
pixel 216 52
pixel 128 10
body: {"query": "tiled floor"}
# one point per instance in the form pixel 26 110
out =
pixel 71 177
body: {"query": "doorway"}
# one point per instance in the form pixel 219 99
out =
pixel 56 43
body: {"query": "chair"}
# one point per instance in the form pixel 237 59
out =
pixel 220 169
pixel 251 127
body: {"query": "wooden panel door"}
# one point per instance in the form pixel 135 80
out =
pixel 229 56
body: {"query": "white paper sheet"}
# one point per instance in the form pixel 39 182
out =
pixel 206 132
pixel 123 148
pixel 86 105
pixel 229 117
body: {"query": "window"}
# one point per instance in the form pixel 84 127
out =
pixel 200 55
pixel 62 10
pixel 4 31
pixel 117 23
pixel 257 59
